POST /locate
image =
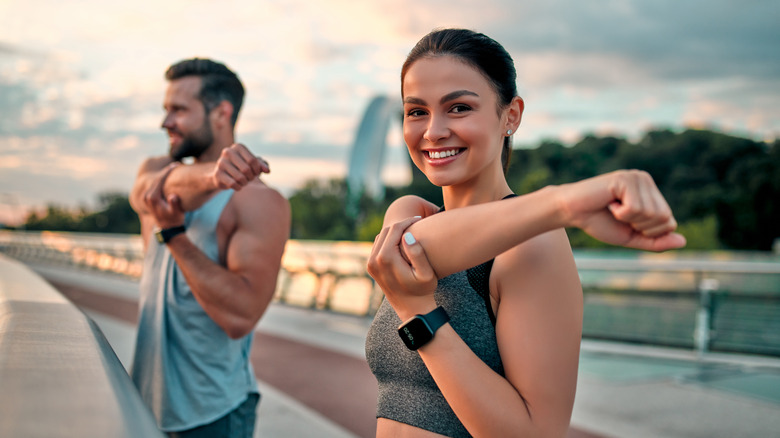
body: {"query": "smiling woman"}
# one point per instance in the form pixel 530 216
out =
pixel 468 125
pixel 480 328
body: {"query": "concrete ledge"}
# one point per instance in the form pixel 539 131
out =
pixel 58 374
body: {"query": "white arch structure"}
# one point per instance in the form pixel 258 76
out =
pixel 368 151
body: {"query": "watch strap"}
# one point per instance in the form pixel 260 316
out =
pixel 166 234
pixel 437 318
pixel 419 329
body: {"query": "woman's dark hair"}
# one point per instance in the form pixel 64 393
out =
pixel 481 52
pixel 218 83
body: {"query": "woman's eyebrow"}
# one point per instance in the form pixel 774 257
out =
pixel 414 100
pixel 456 94
pixel 446 98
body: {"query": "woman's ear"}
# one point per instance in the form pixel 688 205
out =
pixel 514 113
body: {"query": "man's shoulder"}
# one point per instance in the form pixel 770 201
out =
pixel 260 207
pixel 258 195
pixel 258 189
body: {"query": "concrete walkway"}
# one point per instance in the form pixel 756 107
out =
pixel 315 383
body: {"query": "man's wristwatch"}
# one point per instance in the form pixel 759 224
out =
pixel 166 234
pixel 419 329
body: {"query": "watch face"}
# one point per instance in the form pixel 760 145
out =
pixel 415 333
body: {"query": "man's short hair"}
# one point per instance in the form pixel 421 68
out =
pixel 218 83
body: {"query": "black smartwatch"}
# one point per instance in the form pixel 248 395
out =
pixel 166 234
pixel 419 329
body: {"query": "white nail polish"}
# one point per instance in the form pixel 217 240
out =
pixel 409 239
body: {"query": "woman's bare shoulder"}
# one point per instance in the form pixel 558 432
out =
pixel 408 206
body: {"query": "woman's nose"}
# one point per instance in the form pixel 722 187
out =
pixel 437 129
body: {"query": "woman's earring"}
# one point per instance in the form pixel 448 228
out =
pixel 508 132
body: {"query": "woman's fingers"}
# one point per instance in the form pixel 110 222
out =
pixel 633 192
pixel 642 206
pixel 657 226
pixel 638 216
pixel 391 245
pixel 415 254
pixel 664 242
pixel 399 265
pixel 378 242
pixel 386 249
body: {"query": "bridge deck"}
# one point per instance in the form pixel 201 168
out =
pixel 315 382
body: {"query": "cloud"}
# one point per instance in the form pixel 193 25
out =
pixel 669 40
pixel 7 49
pixel 14 98
pixel 81 93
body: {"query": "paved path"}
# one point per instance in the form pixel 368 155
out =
pixel 315 382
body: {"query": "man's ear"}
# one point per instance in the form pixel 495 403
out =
pixel 223 113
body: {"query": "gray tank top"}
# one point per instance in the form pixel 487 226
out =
pixel 407 391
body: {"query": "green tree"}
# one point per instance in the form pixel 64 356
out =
pixel 113 216
pixel 370 227
pixel 710 180
pixel 748 210
pixel 56 218
pixel 701 234
pixel 319 211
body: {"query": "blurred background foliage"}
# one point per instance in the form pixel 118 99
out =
pixel 723 189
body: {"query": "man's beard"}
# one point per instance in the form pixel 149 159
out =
pixel 194 144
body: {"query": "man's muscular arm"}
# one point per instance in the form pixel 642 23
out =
pixel 235 295
pixel 196 183
pixel 192 184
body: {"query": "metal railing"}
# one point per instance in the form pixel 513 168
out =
pixel 707 301
pixel 727 302
pixel 58 374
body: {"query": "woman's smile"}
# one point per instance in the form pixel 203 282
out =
pixel 442 156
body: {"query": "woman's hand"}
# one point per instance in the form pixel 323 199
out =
pixel 400 267
pixel 622 208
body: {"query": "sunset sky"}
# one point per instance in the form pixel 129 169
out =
pixel 81 82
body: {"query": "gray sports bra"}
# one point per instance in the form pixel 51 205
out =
pixel 407 391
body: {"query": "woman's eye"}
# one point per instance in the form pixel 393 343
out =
pixel 460 108
pixel 415 113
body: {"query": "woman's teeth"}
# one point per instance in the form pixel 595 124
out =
pixel 442 154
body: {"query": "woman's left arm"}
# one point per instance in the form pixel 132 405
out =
pixel 538 329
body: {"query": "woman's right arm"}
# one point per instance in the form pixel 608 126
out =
pixel 621 208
